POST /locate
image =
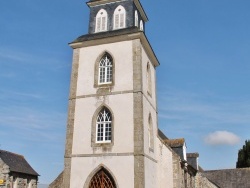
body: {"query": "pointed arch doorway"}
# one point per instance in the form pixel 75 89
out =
pixel 102 179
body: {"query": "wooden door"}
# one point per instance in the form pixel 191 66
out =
pixel 102 179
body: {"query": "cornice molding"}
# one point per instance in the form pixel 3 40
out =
pixel 118 38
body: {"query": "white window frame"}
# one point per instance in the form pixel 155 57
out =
pixel 136 18
pixel 104 118
pixel 119 18
pixel 101 21
pixel 105 67
pixel 141 25
pixel 184 148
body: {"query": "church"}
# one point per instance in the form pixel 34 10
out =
pixel 112 138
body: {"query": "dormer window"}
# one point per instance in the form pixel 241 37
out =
pixel 119 17
pixel 101 21
pixel 136 18
pixel 141 25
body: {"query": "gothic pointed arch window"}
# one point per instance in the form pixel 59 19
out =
pixel 119 17
pixel 104 126
pixel 101 21
pixel 149 80
pixel 150 133
pixel 102 179
pixel 105 69
pixel 136 18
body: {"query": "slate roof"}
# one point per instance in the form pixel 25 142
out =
pixel 106 34
pixel 17 163
pixel 162 135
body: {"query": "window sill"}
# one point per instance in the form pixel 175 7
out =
pixel 102 145
pixel 103 142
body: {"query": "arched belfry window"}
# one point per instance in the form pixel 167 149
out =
pixel 150 132
pixel 105 69
pixel 141 25
pixel 102 179
pixel 104 126
pixel 136 18
pixel 101 21
pixel 149 80
pixel 119 17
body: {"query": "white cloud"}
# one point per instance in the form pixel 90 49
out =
pixel 222 138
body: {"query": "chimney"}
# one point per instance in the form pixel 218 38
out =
pixel 192 159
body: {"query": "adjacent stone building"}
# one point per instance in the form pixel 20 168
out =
pixel 15 171
pixel 230 178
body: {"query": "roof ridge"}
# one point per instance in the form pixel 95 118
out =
pixel 11 153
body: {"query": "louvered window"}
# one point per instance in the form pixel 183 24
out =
pixel 136 18
pixel 102 179
pixel 105 70
pixel 141 25
pixel 119 17
pixel 101 21
pixel 104 126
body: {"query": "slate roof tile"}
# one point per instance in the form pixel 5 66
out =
pixel 17 163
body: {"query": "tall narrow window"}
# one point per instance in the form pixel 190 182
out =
pixel 150 132
pixel 105 69
pixel 149 82
pixel 102 179
pixel 101 21
pixel 141 25
pixel 119 17
pixel 104 126
pixel 136 18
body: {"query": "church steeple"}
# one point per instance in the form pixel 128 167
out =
pixel 110 15
pixel 112 106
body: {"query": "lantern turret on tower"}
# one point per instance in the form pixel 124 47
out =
pixel 109 15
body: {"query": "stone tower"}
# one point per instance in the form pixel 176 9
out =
pixel 112 118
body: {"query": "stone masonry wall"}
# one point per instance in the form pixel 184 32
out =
pixel 57 183
pixel 4 172
pixel 177 172
pixel 202 182
pixel 185 177
pixel 18 179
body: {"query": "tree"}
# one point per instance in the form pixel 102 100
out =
pixel 244 156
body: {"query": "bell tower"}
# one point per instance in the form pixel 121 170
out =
pixel 112 113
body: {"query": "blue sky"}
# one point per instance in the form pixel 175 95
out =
pixel 203 80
